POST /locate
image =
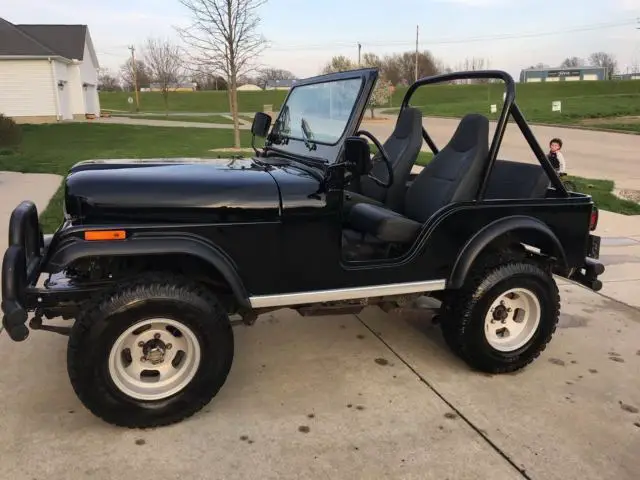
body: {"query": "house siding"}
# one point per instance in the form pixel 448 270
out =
pixel 27 88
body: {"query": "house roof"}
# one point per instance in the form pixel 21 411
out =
pixel 42 40
pixel 66 40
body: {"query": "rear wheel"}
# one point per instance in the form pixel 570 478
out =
pixel 504 317
pixel 152 353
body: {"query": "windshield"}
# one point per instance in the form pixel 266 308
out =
pixel 319 112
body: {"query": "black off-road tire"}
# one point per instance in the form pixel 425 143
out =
pixel 151 296
pixel 464 311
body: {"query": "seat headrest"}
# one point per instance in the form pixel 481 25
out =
pixel 472 130
pixel 407 120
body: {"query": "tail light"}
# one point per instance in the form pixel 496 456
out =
pixel 593 220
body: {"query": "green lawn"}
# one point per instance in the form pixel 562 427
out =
pixel 55 148
pixel 602 193
pixel 203 102
pixel 184 118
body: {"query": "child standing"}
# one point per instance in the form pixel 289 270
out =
pixel 555 156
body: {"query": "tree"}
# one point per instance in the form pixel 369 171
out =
pixel 372 60
pixel 572 62
pixel 400 68
pixel 605 60
pixel 267 75
pixel 164 61
pixel 126 75
pixel 339 63
pixel 380 95
pixel 540 66
pixel 107 82
pixel 473 64
pixel 223 38
pixel 208 81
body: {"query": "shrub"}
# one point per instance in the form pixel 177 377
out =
pixel 10 132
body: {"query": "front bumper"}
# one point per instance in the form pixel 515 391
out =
pixel 21 268
pixel 592 268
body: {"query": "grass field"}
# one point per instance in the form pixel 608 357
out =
pixel 55 148
pixel 601 191
pixel 219 119
pixel 580 100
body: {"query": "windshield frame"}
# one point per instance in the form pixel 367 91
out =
pixel 324 152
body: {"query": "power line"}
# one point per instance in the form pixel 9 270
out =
pixel 484 38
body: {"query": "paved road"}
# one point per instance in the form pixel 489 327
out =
pixel 357 396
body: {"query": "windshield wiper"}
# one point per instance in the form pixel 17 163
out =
pixel 308 135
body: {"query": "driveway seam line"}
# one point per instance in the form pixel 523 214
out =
pixel 478 431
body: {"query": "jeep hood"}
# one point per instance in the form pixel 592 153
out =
pixel 171 190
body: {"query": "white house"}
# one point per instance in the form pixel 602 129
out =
pixel 48 73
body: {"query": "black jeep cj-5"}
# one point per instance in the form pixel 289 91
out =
pixel 154 255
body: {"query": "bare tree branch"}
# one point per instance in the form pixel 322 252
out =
pixel 164 61
pixel 223 39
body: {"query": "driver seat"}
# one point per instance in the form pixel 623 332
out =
pixel 453 175
pixel 402 147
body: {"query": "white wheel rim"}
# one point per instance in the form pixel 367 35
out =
pixel 512 320
pixel 154 359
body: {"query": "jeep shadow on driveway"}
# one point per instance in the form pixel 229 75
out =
pixel 154 255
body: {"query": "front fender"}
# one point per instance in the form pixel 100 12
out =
pixel 70 249
pixel 546 240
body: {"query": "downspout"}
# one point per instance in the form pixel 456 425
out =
pixel 55 88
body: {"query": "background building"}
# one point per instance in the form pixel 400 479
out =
pixel 563 74
pixel 48 73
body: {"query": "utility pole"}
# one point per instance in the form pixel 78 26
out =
pixel 417 30
pixel 359 50
pixel 135 76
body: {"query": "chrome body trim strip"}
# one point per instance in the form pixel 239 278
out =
pixel 320 296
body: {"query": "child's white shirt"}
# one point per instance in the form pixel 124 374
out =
pixel 561 162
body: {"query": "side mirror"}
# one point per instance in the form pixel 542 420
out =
pixel 357 156
pixel 261 124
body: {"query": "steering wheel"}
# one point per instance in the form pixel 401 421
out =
pixel 384 156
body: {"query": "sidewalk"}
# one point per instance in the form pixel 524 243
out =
pixel 620 253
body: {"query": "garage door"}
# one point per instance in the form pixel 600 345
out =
pixel 64 96
pixel 90 100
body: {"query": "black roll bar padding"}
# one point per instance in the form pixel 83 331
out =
pixel 430 142
pixel 508 108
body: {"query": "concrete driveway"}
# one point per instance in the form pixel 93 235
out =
pixel 359 396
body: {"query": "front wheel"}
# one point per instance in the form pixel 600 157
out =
pixel 504 316
pixel 152 353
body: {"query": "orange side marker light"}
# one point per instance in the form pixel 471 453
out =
pixel 105 235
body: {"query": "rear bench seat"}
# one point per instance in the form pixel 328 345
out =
pixel 516 180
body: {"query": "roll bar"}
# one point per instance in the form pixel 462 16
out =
pixel 510 108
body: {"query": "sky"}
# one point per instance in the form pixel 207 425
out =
pixel 302 35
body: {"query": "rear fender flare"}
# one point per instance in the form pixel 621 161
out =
pixel 67 251
pixel 478 242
